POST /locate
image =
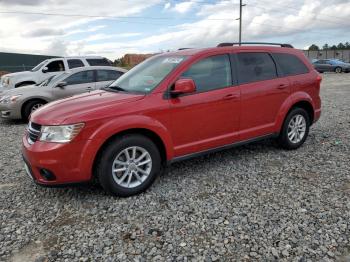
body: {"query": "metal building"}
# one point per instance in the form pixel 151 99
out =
pixel 13 62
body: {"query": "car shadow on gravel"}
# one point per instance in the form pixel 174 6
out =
pixel 203 163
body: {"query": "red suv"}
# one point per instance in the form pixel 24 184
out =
pixel 171 107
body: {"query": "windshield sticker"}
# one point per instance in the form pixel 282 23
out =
pixel 172 60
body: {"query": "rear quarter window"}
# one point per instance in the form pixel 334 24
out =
pixel 98 62
pixel 290 64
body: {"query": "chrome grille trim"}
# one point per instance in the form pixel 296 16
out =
pixel 33 132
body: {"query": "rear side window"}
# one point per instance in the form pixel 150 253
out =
pixel 290 64
pixel 81 78
pixel 74 63
pixel 210 73
pixel 107 75
pixel 98 62
pixel 254 67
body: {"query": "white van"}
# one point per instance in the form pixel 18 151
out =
pixel 47 68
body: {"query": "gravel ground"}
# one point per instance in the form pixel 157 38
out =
pixel 255 202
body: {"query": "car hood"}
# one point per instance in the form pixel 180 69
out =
pixel 20 90
pixel 18 74
pixel 84 107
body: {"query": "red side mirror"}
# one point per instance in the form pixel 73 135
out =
pixel 184 86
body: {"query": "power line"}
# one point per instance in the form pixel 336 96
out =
pixel 105 16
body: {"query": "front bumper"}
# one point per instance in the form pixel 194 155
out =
pixel 58 164
pixel 11 111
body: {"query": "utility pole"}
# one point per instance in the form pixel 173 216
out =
pixel 240 21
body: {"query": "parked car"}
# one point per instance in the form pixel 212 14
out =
pixel 47 68
pixel 331 65
pixel 21 102
pixel 172 107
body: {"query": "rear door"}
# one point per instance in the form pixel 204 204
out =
pixel 209 117
pixel 105 77
pixel 77 83
pixel 263 91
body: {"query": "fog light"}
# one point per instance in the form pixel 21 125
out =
pixel 47 174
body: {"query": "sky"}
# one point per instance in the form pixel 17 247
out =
pixel 116 27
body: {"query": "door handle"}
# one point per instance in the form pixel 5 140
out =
pixel 89 88
pixel 282 86
pixel 230 96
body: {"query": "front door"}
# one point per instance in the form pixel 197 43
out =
pixel 77 83
pixel 209 117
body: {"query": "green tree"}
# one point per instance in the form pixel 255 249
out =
pixel 341 46
pixel 347 45
pixel 314 47
pixel 333 47
pixel 325 47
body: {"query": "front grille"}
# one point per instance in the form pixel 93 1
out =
pixel 33 132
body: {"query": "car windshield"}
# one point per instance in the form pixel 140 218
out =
pixel 146 76
pixel 49 80
pixel 36 68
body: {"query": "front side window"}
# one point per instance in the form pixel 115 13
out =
pixel 210 73
pixel 107 75
pixel 146 76
pixel 74 63
pixel 81 78
pixel 254 67
pixel 55 66
pixel 290 64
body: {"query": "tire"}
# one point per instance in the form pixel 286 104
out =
pixel 130 180
pixel 288 141
pixel 30 107
pixel 338 70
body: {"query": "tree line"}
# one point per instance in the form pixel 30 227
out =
pixel 340 46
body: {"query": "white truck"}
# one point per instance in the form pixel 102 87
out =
pixel 48 68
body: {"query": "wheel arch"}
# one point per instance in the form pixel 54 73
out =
pixel 307 106
pixel 299 99
pixel 28 82
pixel 30 100
pixel 153 136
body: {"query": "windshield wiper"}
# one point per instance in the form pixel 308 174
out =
pixel 116 88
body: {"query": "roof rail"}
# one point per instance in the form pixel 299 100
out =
pixel 254 43
pixel 184 48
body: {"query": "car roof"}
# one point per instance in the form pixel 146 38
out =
pixel 87 68
pixel 199 51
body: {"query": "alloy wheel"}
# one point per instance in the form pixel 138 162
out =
pixel 36 106
pixel 131 167
pixel 296 128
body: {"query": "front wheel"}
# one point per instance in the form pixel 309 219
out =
pixel 295 129
pixel 30 107
pixel 128 165
pixel 338 70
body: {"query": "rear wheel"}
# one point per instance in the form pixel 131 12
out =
pixel 128 165
pixel 295 129
pixel 338 70
pixel 30 107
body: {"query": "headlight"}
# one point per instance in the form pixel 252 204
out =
pixel 6 81
pixel 60 134
pixel 9 99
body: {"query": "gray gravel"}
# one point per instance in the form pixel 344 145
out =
pixel 251 203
